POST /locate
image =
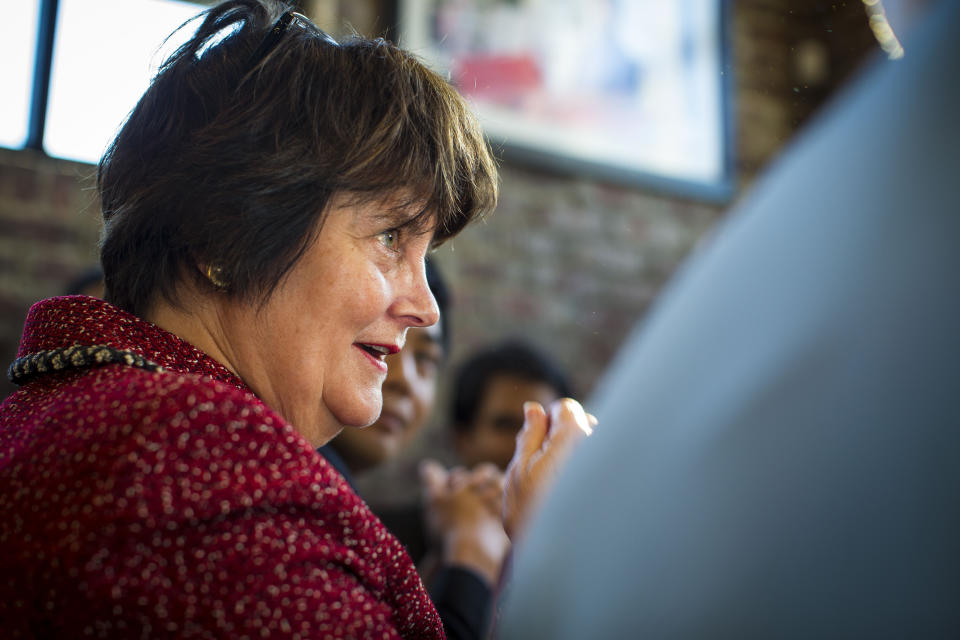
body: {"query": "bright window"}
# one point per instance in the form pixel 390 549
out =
pixel 18 42
pixel 105 53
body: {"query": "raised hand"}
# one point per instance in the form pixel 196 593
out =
pixel 543 446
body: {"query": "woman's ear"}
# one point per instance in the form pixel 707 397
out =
pixel 214 274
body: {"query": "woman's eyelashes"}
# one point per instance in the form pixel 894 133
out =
pixel 404 241
pixel 390 239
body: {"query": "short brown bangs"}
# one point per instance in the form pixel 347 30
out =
pixel 412 134
pixel 402 209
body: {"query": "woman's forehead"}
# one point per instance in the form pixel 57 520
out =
pixel 394 209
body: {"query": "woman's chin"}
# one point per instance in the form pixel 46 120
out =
pixel 359 414
pixel 321 427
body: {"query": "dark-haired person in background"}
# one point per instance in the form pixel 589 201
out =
pixel 488 395
pixel 268 207
pixel 489 392
pixel 466 524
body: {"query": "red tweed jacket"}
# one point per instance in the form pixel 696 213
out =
pixel 145 492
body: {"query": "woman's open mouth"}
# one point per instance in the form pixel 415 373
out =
pixel 375 350
pixel 376 353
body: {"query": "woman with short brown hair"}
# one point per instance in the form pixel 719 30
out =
pixel 268 206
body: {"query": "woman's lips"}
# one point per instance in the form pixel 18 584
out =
pixel 375 361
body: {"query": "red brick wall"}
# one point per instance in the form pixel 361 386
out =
pixel 49 224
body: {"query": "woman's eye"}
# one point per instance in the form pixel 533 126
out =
pixel 390 239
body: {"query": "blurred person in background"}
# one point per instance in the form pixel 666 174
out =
pixel 87 283
pixel 456 524
pixel 488 393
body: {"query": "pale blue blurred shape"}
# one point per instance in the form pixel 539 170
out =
pixel 778 448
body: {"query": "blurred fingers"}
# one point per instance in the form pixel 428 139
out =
pixel 433 477
pixel 458 478
pixel 534 431
pixel 486 472
pixel 569 421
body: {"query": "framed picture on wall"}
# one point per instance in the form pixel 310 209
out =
pixel 629 90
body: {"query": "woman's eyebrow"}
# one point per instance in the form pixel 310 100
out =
pixel 410 218
pixel 395 212
pixel 394 217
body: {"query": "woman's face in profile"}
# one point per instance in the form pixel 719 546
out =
pixel 408 398
pixel 316 351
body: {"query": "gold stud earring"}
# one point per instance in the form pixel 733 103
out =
pixel 215 276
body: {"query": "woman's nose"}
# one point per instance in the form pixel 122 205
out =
pixel 416 304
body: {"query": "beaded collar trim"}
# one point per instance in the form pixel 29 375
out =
pixel 75 357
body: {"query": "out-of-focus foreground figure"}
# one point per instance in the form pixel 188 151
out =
pixel 778 451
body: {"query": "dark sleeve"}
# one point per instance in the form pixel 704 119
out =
pixel 463 601
pixel 337 463
pixel 461 597
pixel 406 523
